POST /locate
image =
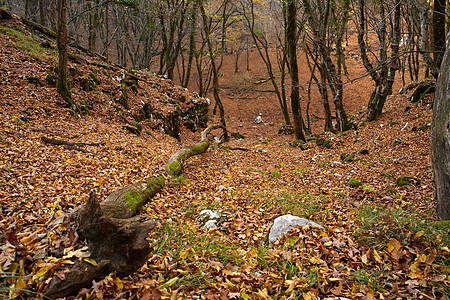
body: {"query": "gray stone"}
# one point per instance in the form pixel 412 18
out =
pixel 283 224
pixel 210 214
pixel 211 224
pixel 211 219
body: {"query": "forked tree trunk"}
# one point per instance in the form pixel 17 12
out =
pixel 384 77
pixel 440 140
pixel 215 69
pixel 115 235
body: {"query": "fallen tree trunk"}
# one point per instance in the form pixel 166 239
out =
pixel 61 142
pixel 69 145
pixel 115 235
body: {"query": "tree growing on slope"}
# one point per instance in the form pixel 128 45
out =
pixel 214 67
pixel 291 45
pixel 327 22
pixel 440 140
pixel 61 86
pixel 381 68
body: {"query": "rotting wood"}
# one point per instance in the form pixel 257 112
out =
pixel 115 235
pixel 69 145
pixel 61 142
pixel 115 245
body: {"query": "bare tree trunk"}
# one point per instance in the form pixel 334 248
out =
pixel 422 9
pixel 93 22
pixel 328 126
pixel 440 140
pixel 262 46
pixel 61 86
pixel 192 32
pixel 214 70
pixel 291 44
pixel 438 31
pixel 42 12
pixel 322 28
pixel 383 76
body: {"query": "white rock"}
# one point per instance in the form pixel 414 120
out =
pixel 258 119
pixel 211 214
pixel 283 224
pixel 221 188
pixel 211 224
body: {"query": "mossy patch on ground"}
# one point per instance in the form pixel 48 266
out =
pixel 407 180
pixel 354 183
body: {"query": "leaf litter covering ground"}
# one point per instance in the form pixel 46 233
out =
pixel 380 240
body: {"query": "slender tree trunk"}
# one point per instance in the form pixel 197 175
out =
pixel 198 64
pixel 106 42
pixel 62 87
pixel 284 105
pixel 328 126
pixel 440 140
pixel 384 89
pixel 326 105
pixel 262 47
pixel 291 43
pixel 93 22
pixel 384 77
pixel 42 12
pixel 214 70
pixel 438 31
pixel 192 32
pixel 422 9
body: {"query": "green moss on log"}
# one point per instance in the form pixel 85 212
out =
pixel 174 168
pixel 124 98
pixel 154 185
pixel 134 200
pixel 200 148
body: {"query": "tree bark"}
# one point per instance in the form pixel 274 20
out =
pixel 384 75
pixel 440 140
pixel 423 8
pixel 438 31
pixel 291 43
pixel 214 69
pixel 192 49
pixel 61 39
pixel 115 235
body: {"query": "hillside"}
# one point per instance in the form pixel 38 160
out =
pixel 380 241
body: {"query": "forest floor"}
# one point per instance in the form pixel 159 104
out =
pixel 381 239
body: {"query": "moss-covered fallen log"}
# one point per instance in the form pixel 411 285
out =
pixel 115 234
